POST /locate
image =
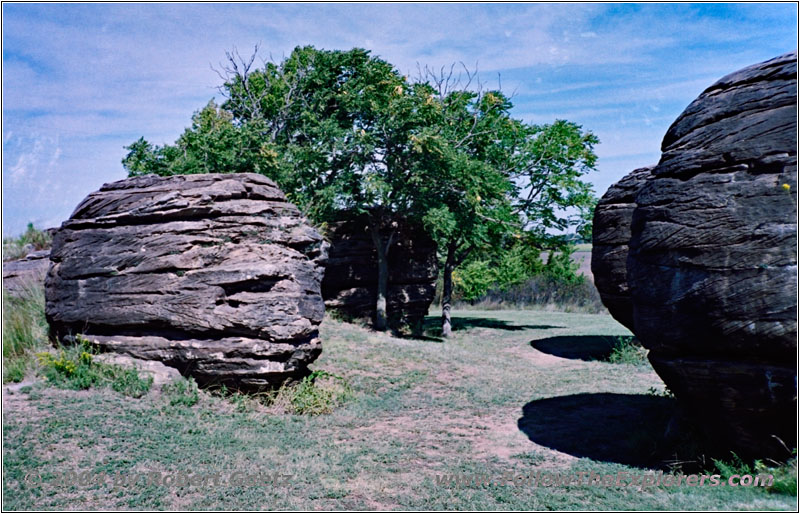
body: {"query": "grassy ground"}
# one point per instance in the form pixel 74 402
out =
pixel 512 392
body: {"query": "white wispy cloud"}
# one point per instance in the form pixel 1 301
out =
pixel 80 81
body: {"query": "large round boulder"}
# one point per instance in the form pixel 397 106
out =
pixel 216 275
pixel 712 259
pixel 611 233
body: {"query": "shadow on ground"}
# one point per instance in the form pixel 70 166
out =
pixel 586 348
pixel 631 429
pixel 421 337
pixel 433 324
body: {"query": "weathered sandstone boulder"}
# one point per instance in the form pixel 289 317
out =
pixel 611 232
pixel 350 284
pixel 215 275
pixel 23 273
pixel 712 264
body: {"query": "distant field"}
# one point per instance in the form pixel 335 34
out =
pixel 512 392
pixel 583 256
pixel 584 259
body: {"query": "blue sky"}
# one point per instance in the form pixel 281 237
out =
pixel 80 81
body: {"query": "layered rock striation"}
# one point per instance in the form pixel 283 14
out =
pixel 711 272
pixel 23 274
pixel 611 233
pixel 215 275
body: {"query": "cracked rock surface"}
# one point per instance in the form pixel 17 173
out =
pixel 215 275
pixel 710 281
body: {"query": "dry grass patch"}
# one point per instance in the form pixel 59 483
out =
pixel 486 401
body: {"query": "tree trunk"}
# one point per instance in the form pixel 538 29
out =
pixel 447 291
pixel 383 276
pixel 383 291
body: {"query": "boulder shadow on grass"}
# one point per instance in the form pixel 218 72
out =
pixel 433 324
pixel 636 430
pixel 585 348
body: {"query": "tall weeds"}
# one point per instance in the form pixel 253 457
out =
pixel 24 330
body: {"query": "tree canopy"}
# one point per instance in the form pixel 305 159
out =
pixel 345 132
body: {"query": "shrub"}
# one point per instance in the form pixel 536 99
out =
pixel 315 397
pixel 125 381
pixel 182 392
pixel 784 475
pixel 734 466
pixel 75 368
pixel 31 240
pixel 477 278
pixel 523 278
pixel 628 350
pixel 665 393
pixel 318 393
pixel 544 291
pixel 473 280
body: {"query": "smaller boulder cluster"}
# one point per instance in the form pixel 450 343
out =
pixel 20 274
pixel 351 274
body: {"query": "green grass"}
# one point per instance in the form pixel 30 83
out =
pixel 182 392
pixel 485 401
pixel 627 350
pixel 24 331
pixel 74 367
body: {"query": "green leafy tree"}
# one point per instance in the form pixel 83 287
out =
pixel 548 174
pixel 465 145
pixel 495 184
pixel 333 128
pixel 344 132
pixel 213 144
